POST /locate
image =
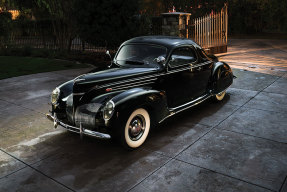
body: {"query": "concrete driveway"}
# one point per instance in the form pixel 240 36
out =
pixel 237 145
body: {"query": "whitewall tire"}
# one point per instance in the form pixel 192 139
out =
pixel 136 128
pixel 220 96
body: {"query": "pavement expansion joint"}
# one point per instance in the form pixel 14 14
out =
pixel 254 61
pixel 13 172
pixel 250 135
pixel 175 156
pixel 18 105
pixel 30 166
pixel 171 158
pixel 269 85
pixel 284 182
pixel 224 174
pixel 282 76
pixel 151 173
pixel 47 157
pixel 263 109
pixel 274 93
pixel 213 127
pixel 235 105
pixel 256 94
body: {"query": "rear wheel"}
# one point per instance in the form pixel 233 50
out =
pixel 135 129
pixel 220 96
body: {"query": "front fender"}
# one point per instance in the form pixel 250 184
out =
pixel 222 77
pixel 153 101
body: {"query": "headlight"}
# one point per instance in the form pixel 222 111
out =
pixel 108 110
pixel 55 96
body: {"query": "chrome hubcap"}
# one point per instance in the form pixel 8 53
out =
pixel 137 127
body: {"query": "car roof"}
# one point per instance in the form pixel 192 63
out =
pixel 167 41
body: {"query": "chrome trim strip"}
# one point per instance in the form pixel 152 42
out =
pixel 186 106
pixel 79 130
pixel 178 70
pixel 191 66
pixel 131 86
pixel 198 102
pixel 78 93
pixel 190 102
pixel 129 80
pixel 201 64
pixel 151 76
pixel 135 83
pixel 79 79
pixel 116 78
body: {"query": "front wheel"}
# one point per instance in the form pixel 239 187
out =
pixel 136 129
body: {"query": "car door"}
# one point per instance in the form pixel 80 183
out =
pixel 180 82
pixel 202 73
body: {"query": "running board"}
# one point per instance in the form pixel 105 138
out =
pixel 185 106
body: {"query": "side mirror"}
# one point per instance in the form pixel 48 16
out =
pixel 172 59
pixel 108 53
pixel 160 60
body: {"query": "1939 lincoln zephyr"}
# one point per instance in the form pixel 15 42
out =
pixel 150 79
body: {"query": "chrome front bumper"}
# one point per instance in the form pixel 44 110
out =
pixel 82 131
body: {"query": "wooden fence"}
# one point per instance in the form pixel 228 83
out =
pixel 210 31
pixel 40 42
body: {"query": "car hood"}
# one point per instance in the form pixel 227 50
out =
pixel 112 75
pixel 89 81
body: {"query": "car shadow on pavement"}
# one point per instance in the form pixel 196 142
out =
pixel 91 164
pixel 181 130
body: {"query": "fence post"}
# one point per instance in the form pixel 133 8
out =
pixel 226 22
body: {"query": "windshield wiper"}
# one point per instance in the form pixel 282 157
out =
pixel 133 62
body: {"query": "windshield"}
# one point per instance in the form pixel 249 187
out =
pixel 140 54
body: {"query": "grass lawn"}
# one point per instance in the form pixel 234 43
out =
pixel 16 66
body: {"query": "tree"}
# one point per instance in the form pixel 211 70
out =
pixel 257 16
pixel 107 22
pixel 151 7
pixel 60 13
pixel 6 4
pixel 5 28
pixel 62 16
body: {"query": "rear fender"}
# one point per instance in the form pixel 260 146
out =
pixel 222 77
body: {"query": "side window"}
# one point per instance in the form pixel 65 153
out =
pixel 202 54
pixel 181 56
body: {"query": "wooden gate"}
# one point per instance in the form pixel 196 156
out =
pixel 210 31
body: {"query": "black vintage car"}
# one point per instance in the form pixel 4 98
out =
pixel 150 79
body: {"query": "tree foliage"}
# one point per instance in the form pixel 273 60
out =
pixel 256 16
pixel 5 23
pixel 5 27
pixel 62 16
pixel 245 16
pixel 110 22
pixel 107 22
